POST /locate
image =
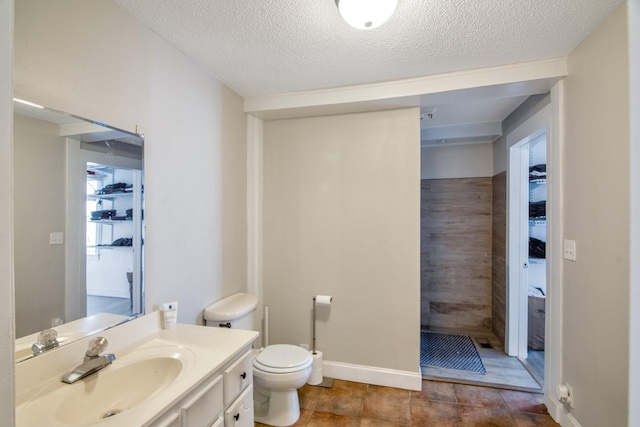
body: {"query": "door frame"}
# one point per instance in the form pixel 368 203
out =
pixel 75 250
pixel 517 238
pixel 551 117
pixel 516 325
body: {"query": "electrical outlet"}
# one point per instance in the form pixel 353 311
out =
pixel 56 238
pixel 570 249
pixel 305 346
pixel 572 396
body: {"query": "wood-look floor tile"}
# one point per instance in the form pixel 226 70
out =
pixel 350 385
pixel 325 419
pixel 524 402
pixel 435 390
pixel 380 406
pixel 305 416
pixel 434 414
pixel 367 422
pixel 341 400
pixel 309 396
pixel 438 404
pixel 526 419
pixel 473 416
pixel 478 396
pixel 388 391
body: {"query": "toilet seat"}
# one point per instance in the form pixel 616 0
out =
pixel 282 359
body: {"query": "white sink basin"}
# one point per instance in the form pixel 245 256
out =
pixel 119 389
pixel 129 381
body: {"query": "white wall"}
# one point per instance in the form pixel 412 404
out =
pixel 341 217
pixel 524 112
pixel 94 60
pixel 456 161
pixel 39 208
pixel 7 403
pixel 596 215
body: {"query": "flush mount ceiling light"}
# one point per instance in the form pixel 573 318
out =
pixel 366 14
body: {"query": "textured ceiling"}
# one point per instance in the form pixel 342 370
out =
pixel 260 47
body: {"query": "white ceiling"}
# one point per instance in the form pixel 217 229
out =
pixel 263 47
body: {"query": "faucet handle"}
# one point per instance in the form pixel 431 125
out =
pixel 47 340
pixel 47 336
pixel 97 346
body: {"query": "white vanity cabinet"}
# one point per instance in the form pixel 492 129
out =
pixel 208 383
pixel 240 413
pixel 237 377
pixel 238 392
pixel 203 408
pixel 222 399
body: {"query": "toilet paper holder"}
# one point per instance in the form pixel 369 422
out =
pixel 322 300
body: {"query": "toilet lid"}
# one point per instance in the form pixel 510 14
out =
pixel 283 358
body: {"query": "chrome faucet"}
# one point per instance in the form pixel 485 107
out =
pixel 93 361
pixel 47 339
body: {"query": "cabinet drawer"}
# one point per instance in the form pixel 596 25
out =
pixel 203 408
pixel 240 414
pixel 170 421
pixel 219 422
pixel 237 377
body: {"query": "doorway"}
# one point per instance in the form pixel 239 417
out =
pixel 538 114
pixel 523 181
pixel 457 340
pixel 528 237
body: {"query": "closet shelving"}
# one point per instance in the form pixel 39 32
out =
pixel 537 213
pixel 99 177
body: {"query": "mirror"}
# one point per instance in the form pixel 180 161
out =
pixel 78 225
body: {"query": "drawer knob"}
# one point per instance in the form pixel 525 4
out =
pixel 236 417
pixel 243 375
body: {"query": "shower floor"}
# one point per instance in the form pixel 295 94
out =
pixel 436 349
pixel 502 371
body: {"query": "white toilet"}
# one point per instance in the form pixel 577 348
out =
pixel 278 370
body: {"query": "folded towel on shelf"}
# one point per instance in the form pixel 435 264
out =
pixel 537 248
pixel 538 209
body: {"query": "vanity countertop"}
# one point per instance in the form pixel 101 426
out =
pixel 209 349
pixel 70 331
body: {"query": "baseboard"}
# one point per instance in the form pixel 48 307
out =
pixel 372 375
pixel 567 420
pixel 559 413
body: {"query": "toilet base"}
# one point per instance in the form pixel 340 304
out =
pixel 277 408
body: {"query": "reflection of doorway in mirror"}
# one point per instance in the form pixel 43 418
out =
pixel 113 238
pixel 50 207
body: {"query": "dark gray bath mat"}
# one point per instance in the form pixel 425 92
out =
pixel 450 351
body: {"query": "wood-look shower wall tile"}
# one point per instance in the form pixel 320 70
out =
pixel 460 316
pixel 456 263
pixel 498 251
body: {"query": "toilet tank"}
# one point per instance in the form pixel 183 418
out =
pixel 236 311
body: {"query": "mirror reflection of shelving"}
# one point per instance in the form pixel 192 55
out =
pixel 537 214
pixel 111 218
pixel 109 203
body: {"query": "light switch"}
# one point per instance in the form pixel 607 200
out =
pixel 56 238
pixel 570 249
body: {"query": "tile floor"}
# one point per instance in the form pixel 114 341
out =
pixel 439 404
pixel 502 371
pixel 96 304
